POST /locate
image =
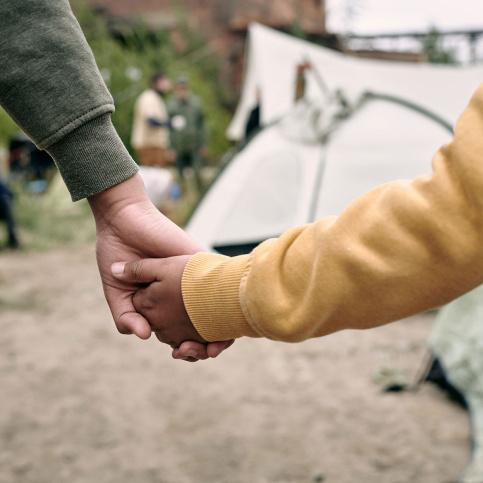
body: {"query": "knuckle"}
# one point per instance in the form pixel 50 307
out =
pixel 138 301
pixel 141 303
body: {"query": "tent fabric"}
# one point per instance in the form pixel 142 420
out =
pixel 293 172
pixel 264 191
pixel 272 58
pixel 381 143
pixel 457 342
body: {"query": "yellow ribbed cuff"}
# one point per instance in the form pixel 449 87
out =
pixel 211 294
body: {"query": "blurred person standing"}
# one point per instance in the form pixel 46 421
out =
pixel 6 214
pixel 150 133
pixel 188 132
pixel 150 138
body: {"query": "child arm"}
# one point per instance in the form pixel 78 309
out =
pixel 400 249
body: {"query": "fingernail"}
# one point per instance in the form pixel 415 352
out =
pixel 192 353
pixel 118 268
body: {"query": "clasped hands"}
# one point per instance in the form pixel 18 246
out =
pixel 159 300
pixel 141 256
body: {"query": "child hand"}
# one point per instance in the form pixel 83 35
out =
pixel 161 302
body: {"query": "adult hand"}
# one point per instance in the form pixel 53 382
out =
pixel 129 227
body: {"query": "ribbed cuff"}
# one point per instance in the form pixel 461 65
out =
pixel 211 294
pixel 92 158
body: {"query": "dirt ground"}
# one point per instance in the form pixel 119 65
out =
pixel 81 403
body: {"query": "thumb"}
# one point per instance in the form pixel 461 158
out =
pixel 139 271
pixel 134 323
pixel 127 320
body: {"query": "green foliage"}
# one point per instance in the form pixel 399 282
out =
pixel 50 220
pixel 128 60
pixel 434 50
pixel 296 30
pixel 7 128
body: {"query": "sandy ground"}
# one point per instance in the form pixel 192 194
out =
pixel 81 403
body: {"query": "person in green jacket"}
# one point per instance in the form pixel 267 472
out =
pixel 188 133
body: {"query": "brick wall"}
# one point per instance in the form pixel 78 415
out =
pixel 226 15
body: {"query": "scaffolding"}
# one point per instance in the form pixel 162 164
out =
pixel 470 37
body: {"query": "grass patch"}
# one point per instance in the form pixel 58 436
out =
pixel 50 220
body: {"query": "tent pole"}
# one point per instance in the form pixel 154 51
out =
pixel 411 105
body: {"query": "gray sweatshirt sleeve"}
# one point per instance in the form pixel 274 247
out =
pixel 51 87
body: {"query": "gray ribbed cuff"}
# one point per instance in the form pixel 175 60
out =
pixel 92 158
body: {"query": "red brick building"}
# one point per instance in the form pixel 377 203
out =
pixel 223 22
pixel 220 16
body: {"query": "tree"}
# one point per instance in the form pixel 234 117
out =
pixel 434 49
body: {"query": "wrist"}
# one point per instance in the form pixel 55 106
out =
pixel 211 288
pixel 92 158
pixel 106 204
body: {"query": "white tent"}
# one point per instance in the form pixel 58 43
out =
pixel 270 67
pixel 361 123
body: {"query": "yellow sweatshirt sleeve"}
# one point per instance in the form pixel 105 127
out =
pixel 400 249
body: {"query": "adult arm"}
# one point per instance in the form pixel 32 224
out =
pixel 51 87
pixel 400 249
